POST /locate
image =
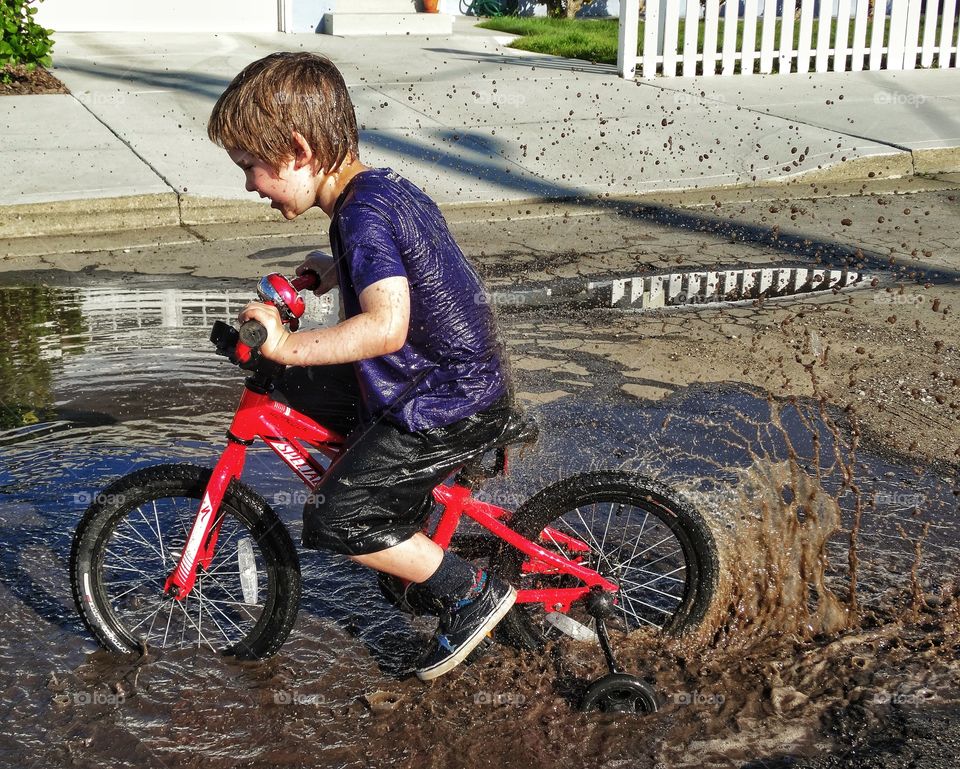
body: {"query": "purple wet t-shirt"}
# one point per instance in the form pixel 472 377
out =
pixel 451 364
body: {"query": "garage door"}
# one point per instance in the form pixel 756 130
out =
pixel 159 15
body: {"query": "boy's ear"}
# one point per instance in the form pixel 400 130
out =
pixel 303 152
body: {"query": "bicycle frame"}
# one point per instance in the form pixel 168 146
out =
pixel 285 430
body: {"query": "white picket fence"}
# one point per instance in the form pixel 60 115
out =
pixel 897 40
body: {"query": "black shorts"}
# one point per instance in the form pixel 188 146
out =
pixel 377 494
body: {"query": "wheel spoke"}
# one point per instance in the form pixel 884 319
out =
pixel 647 587
pixel 213 619
pixel 196 624
pixel 152 530
pixel 643 525
pixel 156 518
pixel 149 616
pixel 132 581
pixel 245 607
pixel 124 560
pixel 166 631
pixel 597 549
pixel 665 575
pixel 128 590
pixel 603 539
pixel 638 618
pixel 142 538
pixel 647 550
pixel 213 605
pixel 660 609
pixel 222 587
pixel 657 560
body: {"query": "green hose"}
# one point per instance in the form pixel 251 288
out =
pixel 493 8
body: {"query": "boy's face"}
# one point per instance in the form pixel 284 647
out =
pixel 292 190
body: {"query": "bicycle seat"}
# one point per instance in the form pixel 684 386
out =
pixel 520 428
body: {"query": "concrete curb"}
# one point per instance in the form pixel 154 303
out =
pixel 141 212
pixel 69 217
pixel 942 160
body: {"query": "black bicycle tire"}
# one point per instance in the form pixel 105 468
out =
pixel 597 693
pixel 693 532
pixel 184 480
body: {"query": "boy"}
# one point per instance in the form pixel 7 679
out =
pixel 414 374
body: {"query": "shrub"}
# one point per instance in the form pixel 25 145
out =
pixel 23 42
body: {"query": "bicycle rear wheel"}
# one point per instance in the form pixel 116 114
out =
pixel 130 540
pixel 633 531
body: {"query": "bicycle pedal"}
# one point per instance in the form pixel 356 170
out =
pixel 479 650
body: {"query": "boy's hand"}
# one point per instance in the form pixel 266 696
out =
pixel 325 266
pixel 269 317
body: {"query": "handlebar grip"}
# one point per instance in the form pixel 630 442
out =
pixel 252 335
pixel 306 282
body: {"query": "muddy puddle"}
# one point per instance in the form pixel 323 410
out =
pixel 836 621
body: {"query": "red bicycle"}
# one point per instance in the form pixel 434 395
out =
pixel 176 555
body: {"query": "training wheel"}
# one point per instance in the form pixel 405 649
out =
pixel 619 693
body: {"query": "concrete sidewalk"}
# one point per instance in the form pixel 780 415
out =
pixel 462 116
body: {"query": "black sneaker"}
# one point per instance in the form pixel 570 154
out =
pixel 462 628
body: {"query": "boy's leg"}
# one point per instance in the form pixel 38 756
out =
pixel 372 504
pixel 415 559
pixel 443 575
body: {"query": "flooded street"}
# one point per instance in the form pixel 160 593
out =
pixel 817 436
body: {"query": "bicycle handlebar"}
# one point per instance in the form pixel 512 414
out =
pixel 252 335
pixel 306 282
pixel 283 294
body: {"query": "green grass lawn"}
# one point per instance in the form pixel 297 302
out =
pixel 596 39
pixel 590 39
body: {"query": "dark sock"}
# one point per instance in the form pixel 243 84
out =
pixel 456 581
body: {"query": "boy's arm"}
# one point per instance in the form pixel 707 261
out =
pixel 379 329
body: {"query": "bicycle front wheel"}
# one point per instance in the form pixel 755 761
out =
pixel 634 532
pixel 130 540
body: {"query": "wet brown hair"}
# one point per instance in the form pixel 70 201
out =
pixel 282 93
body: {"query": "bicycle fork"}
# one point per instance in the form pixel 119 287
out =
pixel 198 551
